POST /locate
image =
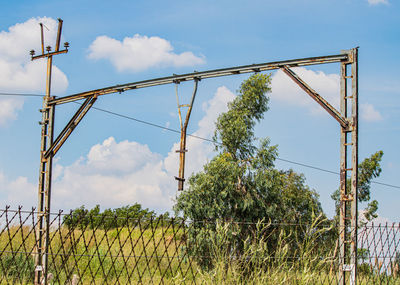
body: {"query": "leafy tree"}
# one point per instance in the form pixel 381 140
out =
pixel 109 218
pixel 240 183
pixel 367 170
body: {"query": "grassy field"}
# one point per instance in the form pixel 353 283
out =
pixel 131 255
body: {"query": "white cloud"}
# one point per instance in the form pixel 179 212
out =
pixel 140 52
pixel 17 72
pixel 8 109
pixel 115 173
pixel 376 2
pixel 369 114
pixel 327 85
pixel 18 192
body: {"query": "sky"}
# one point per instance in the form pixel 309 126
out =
pixel 115 161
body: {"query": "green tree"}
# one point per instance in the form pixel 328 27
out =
pixel 109 218
pixel 241 183
pixel 369 169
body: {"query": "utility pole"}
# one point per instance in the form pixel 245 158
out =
pixel 45 169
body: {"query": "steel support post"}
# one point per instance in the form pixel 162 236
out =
pixel 46 163
pixel 44 193
pixel 348 167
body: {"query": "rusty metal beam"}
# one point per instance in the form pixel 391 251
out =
pixel 49 54
pixel 69 128
pixel 348 222
pixel 202 75
pixel 354 165
pixel 343 177
pixel 318 98
pixel 182 150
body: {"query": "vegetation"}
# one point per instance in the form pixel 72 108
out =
pixel 242 221
pixel 241 183
pixel 129 254
pixel 93 218
pixel 367 170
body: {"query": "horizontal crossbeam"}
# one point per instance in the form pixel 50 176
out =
pixel 49 54
pixel 202 75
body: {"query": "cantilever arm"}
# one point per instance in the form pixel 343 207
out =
pixel 69 128
pixel 318 98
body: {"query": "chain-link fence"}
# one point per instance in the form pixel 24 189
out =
pixel 88 249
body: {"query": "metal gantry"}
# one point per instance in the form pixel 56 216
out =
pixel 347 119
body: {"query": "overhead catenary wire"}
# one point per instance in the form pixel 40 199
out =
pixel 192 135
pixel 20 94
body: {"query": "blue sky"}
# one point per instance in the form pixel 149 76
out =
pixel 114 161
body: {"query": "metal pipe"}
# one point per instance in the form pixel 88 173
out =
pixel 60 23
pixel 42 37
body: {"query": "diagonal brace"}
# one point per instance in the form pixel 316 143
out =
pixel 69 128
pixel 318 98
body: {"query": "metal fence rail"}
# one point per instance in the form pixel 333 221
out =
pixel 87 249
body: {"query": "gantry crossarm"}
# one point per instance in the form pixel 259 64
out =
pixel 318 98
pixel 202 75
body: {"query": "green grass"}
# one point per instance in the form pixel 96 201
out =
pixel 124 255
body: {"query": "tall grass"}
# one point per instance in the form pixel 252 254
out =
pixel 130 255
pixel 260 265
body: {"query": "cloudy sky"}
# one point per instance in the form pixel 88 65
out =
pixel 114 161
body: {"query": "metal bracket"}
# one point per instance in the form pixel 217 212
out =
pixel 182 151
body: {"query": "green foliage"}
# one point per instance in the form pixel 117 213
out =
pixel 235 128
pixel 109 218
pixel 369 169
pixel 240 183
pixel 17 267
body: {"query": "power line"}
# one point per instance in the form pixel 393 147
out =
pixel 194 136
pixel 209 140
pixel 21 94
